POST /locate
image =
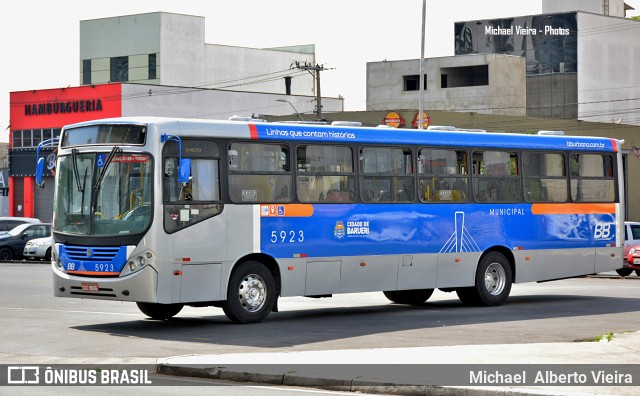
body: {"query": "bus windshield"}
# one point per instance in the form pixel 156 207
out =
pixel 103 194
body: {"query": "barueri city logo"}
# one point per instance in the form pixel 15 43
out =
pixel 357 229
pixel 338 230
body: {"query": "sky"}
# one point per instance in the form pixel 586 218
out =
pixel 39 39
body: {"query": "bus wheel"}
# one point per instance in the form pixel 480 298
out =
pixel 624 271
pixel 493 282
pixel 411 297
pixel 251 294
pixel 637 272
pixel 160 311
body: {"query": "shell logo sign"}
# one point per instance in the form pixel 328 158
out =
pixel 393 119
pixel 425 120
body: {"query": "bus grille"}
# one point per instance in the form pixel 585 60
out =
pixel 103 254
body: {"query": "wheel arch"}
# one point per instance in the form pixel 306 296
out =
pixel 507 253
pixel 264 259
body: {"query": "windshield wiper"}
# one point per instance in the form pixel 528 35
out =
pixel 107 161
pixel 96 186
pixel 84 183
pixel 74 160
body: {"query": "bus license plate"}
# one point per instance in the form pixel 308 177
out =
pixel 90 287
pixel 636 261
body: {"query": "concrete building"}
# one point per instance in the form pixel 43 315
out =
pixel 154 64
pixel 580 58
pixel 483 83
pixel 579 61
pixel 169 49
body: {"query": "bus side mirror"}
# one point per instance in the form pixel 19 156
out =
pixel 184 170
pixel 39 171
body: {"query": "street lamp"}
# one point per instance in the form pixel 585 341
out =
pixel 292 106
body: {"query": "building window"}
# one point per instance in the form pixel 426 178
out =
pixel 119 70
pixel 32 137
pixel 86 72
pixel 412 83
pixel 465 76
pixel 444 81
pixel 17 139
pixel 152 67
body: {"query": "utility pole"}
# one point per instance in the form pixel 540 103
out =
pixel 421 94
pixel 315 71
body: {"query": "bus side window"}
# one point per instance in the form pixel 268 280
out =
pixel 199 198
pixel 496 176
pixel 442 175
pixel 592 178
pixel 259 172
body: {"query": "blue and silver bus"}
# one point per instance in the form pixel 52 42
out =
pixel 173 212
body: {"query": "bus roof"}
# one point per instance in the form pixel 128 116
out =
pixel 371 135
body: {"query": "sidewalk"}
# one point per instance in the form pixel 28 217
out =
pixel 389 371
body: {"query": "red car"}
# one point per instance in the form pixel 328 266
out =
pixel 634 259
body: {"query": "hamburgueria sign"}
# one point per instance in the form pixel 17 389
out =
pixel 71 106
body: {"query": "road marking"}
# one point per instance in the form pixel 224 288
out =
pixel 67 311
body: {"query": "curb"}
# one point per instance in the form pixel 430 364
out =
pixel 286 375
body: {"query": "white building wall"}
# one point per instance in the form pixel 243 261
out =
pixel 257 70
pixel 505 93
pixel 608 78
pixel 153 100
pixel 119 36
pixel 184 59
pixel 613 8
pixel 182 50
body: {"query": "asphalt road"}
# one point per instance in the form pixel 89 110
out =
pixel 35 327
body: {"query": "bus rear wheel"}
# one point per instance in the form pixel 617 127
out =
pixel 411 297
pixel 160 311
pixel 492 283
pixel 251 294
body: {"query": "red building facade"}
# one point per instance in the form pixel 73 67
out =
pixel 38 115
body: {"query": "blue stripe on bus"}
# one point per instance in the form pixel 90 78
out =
pixel 379 229
pixel 436 138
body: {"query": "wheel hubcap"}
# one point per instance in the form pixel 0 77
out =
pixel 252 292
pixel 495 279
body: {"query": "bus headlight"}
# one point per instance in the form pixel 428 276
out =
pixel 136 263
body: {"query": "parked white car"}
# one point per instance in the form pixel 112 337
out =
pixel 38 249
pixel 9 223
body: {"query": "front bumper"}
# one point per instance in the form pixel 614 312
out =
pixel 140 286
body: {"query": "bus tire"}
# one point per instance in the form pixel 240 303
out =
pixel 411 297
pixel 160 311
pixel 637 272
pixel 624 271
pixel 492 283
pixel 251 294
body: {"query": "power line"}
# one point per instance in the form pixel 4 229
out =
pixel 316 69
